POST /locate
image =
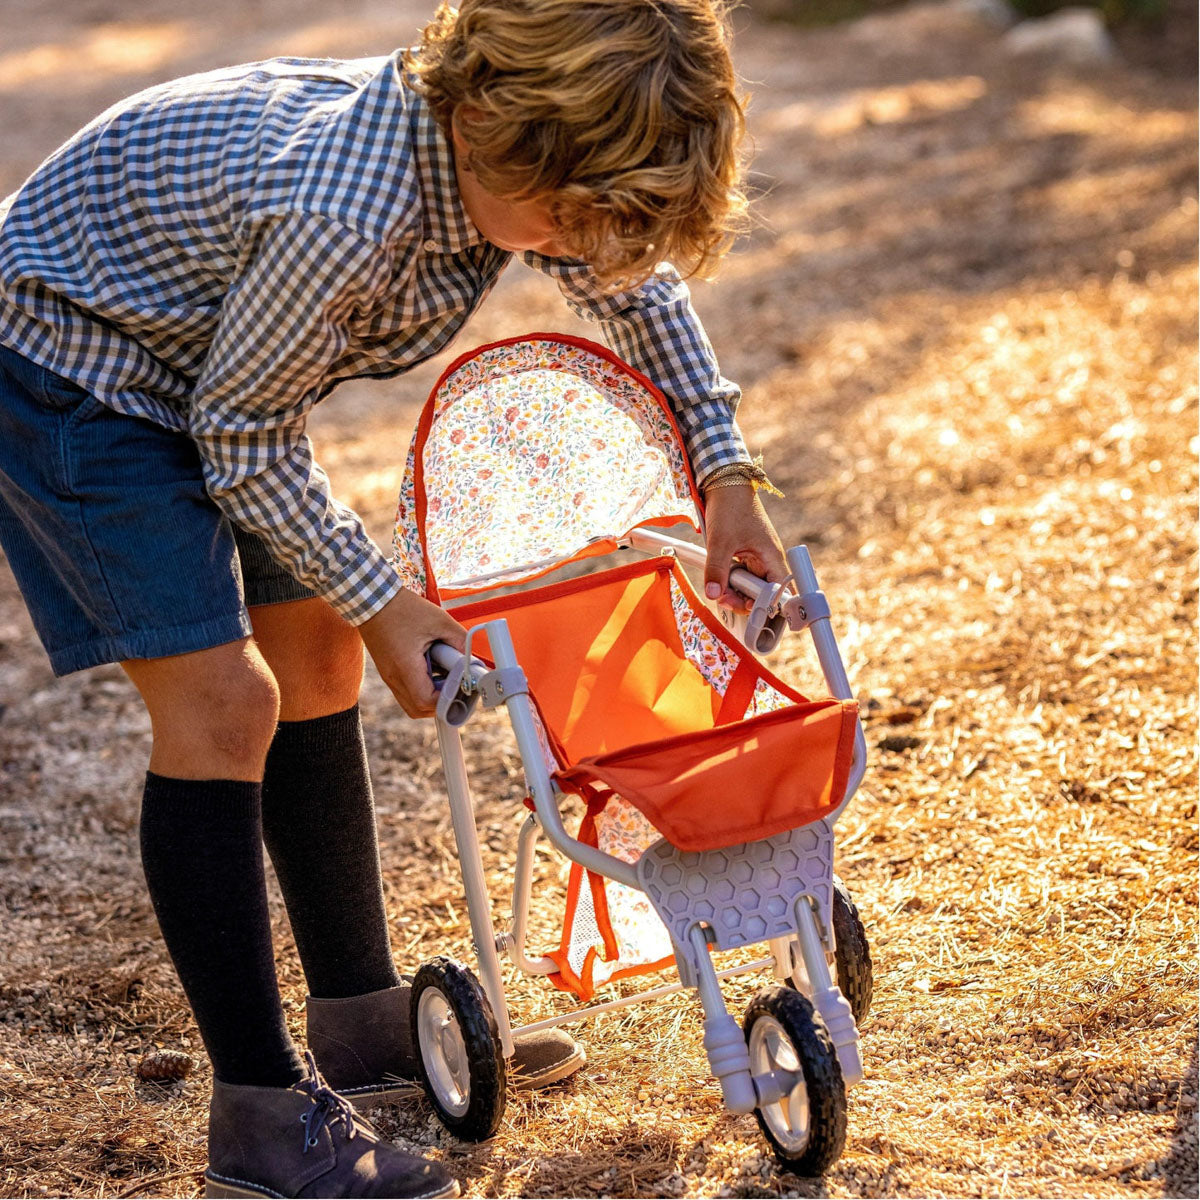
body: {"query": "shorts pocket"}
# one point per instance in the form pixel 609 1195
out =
pixel 62 395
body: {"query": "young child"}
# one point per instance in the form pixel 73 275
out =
pixel 179 284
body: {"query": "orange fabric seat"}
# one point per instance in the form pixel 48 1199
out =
pixel 628 711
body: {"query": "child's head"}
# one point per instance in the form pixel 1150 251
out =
pixel 622 115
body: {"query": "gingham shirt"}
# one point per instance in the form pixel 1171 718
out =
pixel 216 253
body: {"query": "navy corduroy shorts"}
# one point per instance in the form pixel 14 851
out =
pixel 116 546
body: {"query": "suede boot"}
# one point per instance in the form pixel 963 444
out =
pixel 364 1046
pixel 306 1140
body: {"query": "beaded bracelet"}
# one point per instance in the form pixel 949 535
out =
pixel 741 475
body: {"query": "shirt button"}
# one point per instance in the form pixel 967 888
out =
pixel 430 244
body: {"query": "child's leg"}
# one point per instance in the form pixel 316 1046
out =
pixel 213 714
pixel 274 1127
pixel 318 810
pixel 121 557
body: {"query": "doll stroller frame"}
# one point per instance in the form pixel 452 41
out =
pixel 800 1048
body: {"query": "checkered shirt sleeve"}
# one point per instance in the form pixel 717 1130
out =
pixel 655 329
pixel 267 365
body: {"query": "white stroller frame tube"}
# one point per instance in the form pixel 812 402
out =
pixel 724 1042
pixel 470 859
pixel 832 665
pixel 514 941
pixel 827 998
pixel 541 789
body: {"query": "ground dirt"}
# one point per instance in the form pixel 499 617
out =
pixel 966 326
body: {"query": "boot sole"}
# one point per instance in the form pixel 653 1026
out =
pixel 226 1191
pixel 377 1097
pixel 555 1073
pixel 215 1189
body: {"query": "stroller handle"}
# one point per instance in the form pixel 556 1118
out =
pixel 456 678
pixel 444 655
pixel 763 626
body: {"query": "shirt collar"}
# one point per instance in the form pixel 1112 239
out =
pixel 448 229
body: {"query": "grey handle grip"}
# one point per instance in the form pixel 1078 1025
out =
pixel 454 676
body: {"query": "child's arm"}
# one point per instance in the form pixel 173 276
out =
pixel 284 323
pixel 655 329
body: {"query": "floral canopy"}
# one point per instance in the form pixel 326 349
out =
pixel 531 453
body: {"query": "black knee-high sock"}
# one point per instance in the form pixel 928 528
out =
pixel 202 854
pixel 319 826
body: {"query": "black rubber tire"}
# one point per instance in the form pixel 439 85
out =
pixel 855 975
pixel 822 1080
pixel 487 1090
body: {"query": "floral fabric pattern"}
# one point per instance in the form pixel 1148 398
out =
pixel 766 699
pixel 548 755
pixel 534 451
pixel 624 832
pixel 408 557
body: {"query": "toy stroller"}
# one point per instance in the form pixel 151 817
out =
pixel 711 787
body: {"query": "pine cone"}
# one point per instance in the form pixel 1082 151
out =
pixel 165 1066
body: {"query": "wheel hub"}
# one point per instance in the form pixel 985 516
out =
pixel 443 1051
pixel 773 1056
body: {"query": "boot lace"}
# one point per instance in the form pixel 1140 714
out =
pixel 327 1106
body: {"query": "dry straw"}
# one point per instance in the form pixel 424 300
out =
pixel 972 345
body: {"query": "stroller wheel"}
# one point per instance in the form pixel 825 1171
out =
pixel 852 963
pixel 458 1047
pixel 788 1040
pixel 851 960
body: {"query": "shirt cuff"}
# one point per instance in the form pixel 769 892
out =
pixel 713 445
pixel 361 591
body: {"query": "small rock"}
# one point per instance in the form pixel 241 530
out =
pixel 910 26
pixel 1075 35
pixel 998 13
pixel 899 742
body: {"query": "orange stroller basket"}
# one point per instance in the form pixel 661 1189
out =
pixel 711 786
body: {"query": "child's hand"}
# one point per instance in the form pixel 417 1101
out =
pixel 397 637
pixel 739 533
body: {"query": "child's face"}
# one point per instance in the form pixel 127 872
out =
pixel 515 225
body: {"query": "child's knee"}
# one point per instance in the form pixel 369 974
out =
pixel 213 712
pixel 238 717
pixel 316 657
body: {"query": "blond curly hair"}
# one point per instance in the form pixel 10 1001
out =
pixel 624 115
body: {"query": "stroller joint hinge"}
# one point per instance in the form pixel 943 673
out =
pixel 502 684
pixel 801 611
